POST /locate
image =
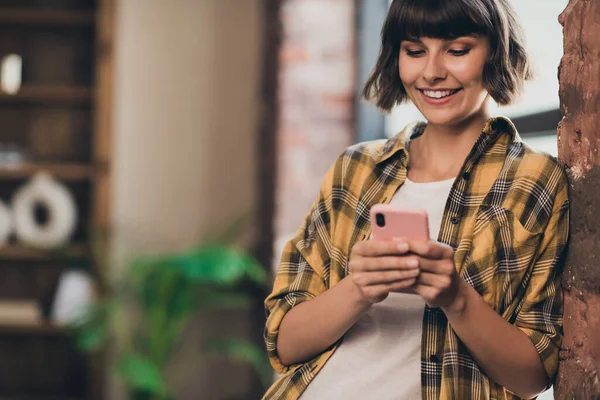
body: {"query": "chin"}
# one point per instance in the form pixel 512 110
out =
pixel 443 118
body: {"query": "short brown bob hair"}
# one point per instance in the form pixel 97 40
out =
pixel 505 71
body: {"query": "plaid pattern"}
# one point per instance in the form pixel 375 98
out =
pixel 507 220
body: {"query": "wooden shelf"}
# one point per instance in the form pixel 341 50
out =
pixel 41 397
pixel 33 329
pixel 20 252
pixel 67 172
pixel 10 16
pixel 49 94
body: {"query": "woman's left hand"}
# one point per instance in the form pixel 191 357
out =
pixel 438 283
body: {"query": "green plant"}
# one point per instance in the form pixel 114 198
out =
pixel 144 316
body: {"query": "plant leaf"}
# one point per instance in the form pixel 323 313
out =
pixel 234 231
pixel 209 297
pixel 242 351
pixel 255 271
pixel 90 340
pixel 140 374
pixel 217 264
pixel 92 327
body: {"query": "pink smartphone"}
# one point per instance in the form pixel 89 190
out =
pixel 389 222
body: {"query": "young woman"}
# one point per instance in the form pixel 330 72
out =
pixel 475 313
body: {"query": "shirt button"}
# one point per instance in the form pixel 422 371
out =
pixel 467 176
pixel 455 220
pixel 434 359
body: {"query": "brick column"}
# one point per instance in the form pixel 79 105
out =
pixel 316 103
pixel 579 140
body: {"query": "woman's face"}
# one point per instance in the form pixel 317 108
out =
pixel 444 78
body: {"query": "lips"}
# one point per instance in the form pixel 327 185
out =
pixel 439 94
pixel 439 97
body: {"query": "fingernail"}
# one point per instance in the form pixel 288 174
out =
pixel 403 247
pixel 413 263
pixel 414 272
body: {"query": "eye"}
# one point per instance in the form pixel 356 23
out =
pixel 414 53
pixel 459 53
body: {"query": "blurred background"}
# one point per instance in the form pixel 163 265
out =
pixel 154 158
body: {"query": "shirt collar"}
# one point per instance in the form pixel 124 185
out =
pixel 494 126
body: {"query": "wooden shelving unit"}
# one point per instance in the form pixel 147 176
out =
pixel 16 252
pixel 61 118
pixel 49 95
pixel 33 329
pixel 62 171
pixel 47 18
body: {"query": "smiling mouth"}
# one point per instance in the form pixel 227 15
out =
pixel 439 94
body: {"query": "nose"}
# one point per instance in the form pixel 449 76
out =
pixel 435 69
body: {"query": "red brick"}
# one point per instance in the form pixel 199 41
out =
pixel 316 103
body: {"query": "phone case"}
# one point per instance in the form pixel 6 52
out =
pixel 398 222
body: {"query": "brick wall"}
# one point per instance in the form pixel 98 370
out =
pixel 316 97
pixel 579 145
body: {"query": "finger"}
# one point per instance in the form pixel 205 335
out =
pixel 402 286
pixel 440 267
pixel 433 280
pixel 431 249
pixel 377 248
pixel 384 277
pixel 428 293
pixel 407 290
pixel 389 263
pixel 379 290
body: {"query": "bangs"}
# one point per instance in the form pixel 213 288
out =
pixel 439 19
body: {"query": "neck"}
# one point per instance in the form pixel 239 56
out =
pixel 441 151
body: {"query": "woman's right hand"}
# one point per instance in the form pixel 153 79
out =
pixel 380 267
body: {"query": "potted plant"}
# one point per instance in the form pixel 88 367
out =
pixel 145 315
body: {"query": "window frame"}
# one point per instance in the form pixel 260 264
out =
pixel 370 16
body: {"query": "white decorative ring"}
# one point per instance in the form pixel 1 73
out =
pixel 62 213
pixel 6 222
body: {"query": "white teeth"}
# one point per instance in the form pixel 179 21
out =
pixel 438 94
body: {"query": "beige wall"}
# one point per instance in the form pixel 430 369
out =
pixel 186 114
pixel 185 117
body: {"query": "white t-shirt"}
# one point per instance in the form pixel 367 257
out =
pixel 380 356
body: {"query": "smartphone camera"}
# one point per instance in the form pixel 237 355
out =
pixel 380 219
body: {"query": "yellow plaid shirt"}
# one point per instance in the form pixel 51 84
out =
pixel 506 219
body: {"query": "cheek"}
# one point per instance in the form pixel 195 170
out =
pixel 409 72
pixel 468 71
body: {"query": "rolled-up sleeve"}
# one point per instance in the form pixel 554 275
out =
pixel 541 314
pixel 296 282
